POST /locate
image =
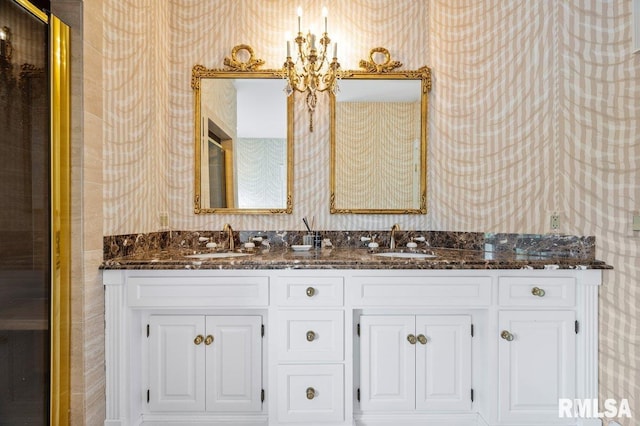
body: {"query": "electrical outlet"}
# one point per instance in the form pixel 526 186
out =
pixel 164 220
pixel 636 222
pixel 555 221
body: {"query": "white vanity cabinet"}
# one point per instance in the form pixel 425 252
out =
pixel 415 362
pixel 536 364
pixel 202 364
pixel 185 347
pixel 538 331
pixel 205 363
pixel 310 358
pixel 349 347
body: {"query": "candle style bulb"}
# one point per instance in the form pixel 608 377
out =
pixel 287 37
pixel 299 17
pixel 335 50
pixel 325 12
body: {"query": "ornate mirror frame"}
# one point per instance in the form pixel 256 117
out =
pixel 383 70
pixel 236 68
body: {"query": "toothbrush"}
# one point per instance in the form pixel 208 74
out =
pixel 304 219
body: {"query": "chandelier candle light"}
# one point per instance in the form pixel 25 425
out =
pixel 311 72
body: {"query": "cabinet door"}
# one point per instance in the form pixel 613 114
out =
pixel 387 363
pixel 176 363
pixel 234 363
pixel 443 362
pixel 536 364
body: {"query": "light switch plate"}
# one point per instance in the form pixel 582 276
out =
pixel 636 222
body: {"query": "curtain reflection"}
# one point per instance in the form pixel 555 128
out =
pixel 378 163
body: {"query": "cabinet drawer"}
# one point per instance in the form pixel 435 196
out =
pixel 197 291
pixel 536 291
pixel 310 393
pixel 311 336
pixel 310 291
pixel 421 291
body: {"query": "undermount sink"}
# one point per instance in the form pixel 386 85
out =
pixel 220 255
pixel 406 255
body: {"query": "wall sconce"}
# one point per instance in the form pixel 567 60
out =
pixel 5 45
pixel 311 72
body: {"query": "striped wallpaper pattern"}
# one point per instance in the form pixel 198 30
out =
pixel 372 173
pixel 535 109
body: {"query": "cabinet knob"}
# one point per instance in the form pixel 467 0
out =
pixel 311 336
pixel 536 291
pixel 506 335
pixel 311 291
pixel 412 339
pixel 422 339
pixel 311 393
pixel 208 340
pixel 199 338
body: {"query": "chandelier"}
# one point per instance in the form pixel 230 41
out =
pixel 312 71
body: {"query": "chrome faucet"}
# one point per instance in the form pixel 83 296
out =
pixel 229 230
pixel 392 240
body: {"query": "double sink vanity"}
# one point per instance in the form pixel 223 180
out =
pixel 374 328
pixel 472 329
pixel 426 328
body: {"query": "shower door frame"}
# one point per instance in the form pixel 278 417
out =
pixel 60 212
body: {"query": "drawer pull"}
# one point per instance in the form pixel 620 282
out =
pixel 536 291
pixel 422 339
pixel 506 335
pixel 208 340
pixel 311 291
pixel 412 339
pixel 199 338
pixel 311 393
pixel 311 336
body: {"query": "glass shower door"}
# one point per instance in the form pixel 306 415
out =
pixel 25 265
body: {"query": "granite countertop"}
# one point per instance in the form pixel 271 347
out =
pixel 355 258
pixel 348 250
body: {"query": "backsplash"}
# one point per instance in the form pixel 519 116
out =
pixel 116 246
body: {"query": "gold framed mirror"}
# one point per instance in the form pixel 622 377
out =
pixel 243 162
pixel 378 132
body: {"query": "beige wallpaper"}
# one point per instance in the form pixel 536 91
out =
pixel 535 108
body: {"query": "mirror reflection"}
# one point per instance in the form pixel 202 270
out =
pixel 243 143
pixel 378 144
